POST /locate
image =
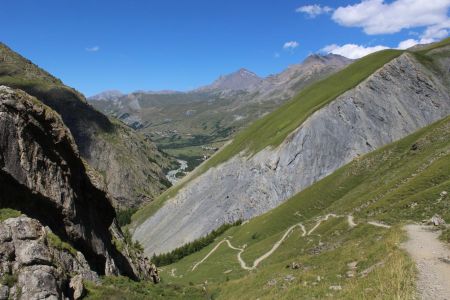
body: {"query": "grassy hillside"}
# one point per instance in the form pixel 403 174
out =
pixel 272 129
pixel 397 184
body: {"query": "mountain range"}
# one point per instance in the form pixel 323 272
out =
pixel 328 180
pixel 383 97
pixel 188 125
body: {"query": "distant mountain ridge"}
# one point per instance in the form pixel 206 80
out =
pixel 373 102
pixel 186 124
pixel 241 79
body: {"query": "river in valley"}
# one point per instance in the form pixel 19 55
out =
pixel 172 175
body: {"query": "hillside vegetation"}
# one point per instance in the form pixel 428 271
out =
pixel 272 129
pixel 397 184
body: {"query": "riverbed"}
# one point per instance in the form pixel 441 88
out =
pixel 172 174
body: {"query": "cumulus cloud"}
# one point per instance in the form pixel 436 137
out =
pixel 378 17
pixel 407 44
pixel 93 49
pixel 382 17
pixel 314 10
pixel 290 45
pixel 352 51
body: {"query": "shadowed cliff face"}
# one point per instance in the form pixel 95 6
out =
pixel 130 164
pixel 43 176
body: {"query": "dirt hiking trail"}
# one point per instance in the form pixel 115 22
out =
pixel 432 261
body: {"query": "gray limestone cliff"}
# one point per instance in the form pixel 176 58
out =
pixel 398 99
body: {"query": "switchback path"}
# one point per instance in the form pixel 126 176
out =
pixel 430 255
pixel 257 261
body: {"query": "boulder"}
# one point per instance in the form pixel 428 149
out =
pixel 38 267
pixel 4 292
pixel 436 220
pixel 76 284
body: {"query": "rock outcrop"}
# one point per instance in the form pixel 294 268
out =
pixel 43 176
pixel 395 101
pixel 37 264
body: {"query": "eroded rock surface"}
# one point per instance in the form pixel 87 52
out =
pixel 395 101
pixel 36 265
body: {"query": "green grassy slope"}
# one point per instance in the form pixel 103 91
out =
pixel 272 129
pixel 397 184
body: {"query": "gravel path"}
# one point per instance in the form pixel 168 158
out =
pixel 244 266
pixel 428 253
pixel 258 260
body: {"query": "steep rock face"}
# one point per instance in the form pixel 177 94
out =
pixel 130 164
pixel 133 173
pixel 398 99
pixel 42 175
pixel 37 266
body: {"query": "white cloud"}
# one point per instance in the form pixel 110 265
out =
pixel 352 51
pixel 378 17
pixel 436 32
pixel 314 10
pixel 93 49
pixel 290 45
pixel 408 44
pixel 276 55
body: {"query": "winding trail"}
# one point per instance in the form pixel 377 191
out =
pixel 432 258
pixel 320 221
pixel 214 249
pixel 257 261
pixel 351 221
pixel 378 224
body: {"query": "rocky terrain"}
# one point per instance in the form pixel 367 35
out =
pixel 187 124
pixel 403 96
pixel 69 233
pixel 131 165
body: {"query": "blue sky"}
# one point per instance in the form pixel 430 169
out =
pixel 96 45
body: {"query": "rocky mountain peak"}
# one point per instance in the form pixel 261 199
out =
pixel 325 59
pixel 241 79
pixel 109 95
